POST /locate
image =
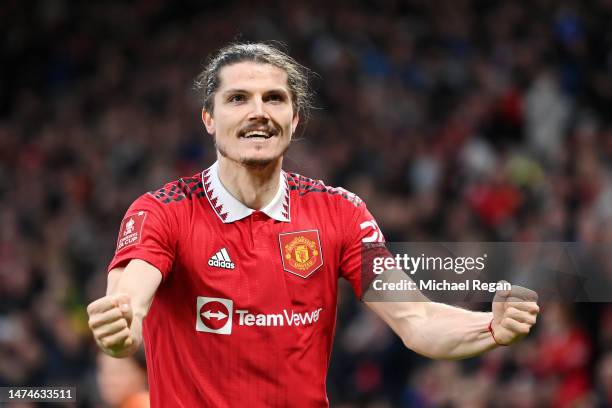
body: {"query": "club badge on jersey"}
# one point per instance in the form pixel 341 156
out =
pixel 301 252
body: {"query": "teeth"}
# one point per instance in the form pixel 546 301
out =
pixel 256 133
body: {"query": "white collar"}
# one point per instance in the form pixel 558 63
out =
pixel 229 209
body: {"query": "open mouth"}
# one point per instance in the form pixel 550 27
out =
pixel 258 134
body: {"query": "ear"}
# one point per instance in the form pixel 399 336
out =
pixel 208 121
pixel 294 122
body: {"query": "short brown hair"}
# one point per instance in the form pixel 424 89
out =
pixel 207 82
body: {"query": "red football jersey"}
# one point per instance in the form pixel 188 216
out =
pixel 246 311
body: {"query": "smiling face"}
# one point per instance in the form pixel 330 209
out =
pixel 253 117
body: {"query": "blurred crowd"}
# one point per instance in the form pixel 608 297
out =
pixel 463 120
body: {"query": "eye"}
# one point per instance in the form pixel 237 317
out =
pixel 275 97
pixel 236 98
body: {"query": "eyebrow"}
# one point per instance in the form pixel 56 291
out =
pixel 244 91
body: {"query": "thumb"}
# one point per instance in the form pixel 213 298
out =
pixel 499 303
pixel 124 303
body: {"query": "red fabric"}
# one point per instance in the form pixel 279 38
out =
pixel 566 357
pixel 277 326
pixel 511 106
pixel 495 204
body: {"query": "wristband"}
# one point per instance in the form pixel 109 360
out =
pixel 493 334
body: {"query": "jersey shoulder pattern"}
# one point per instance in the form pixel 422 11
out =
pixel 305 185
pixel 184 188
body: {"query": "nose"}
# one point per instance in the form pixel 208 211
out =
pixel 258 110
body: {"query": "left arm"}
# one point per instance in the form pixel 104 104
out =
pixel 442 331
pixel 437 330
pixel 432 329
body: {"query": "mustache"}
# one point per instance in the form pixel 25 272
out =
pixel 268 128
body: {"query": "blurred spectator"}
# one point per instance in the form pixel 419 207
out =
pixel 604 381
pixel 122 382
pixel 563 356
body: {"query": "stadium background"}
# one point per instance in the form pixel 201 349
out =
pixel 457 120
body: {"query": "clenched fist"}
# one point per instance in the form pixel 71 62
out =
pixel 110 319
pixel 514 313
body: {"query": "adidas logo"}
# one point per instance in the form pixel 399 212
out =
pixel 221 260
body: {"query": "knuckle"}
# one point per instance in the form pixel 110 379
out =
pixel 523 318
pixel 113 315
pixel 120 335
pixel 93 323
pixel 102 331
pixel 521 314
pixel 115 338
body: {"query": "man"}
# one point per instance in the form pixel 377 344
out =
pixel 236 268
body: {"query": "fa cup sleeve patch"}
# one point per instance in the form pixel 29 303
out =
pixel 130 232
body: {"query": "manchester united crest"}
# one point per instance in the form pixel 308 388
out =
pixel 301 252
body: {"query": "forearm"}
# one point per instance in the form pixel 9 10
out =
pixel 448 332
pixel 437 330
pixel 137 283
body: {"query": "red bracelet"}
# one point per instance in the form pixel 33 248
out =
pixel 493 334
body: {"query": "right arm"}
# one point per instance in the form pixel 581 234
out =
pixel 116 319
pixel 145 251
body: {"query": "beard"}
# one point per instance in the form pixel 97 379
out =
pixel 258 163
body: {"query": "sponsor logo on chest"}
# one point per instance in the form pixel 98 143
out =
pixel 217 315
pixel 287 318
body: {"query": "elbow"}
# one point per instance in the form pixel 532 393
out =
pixel 413 344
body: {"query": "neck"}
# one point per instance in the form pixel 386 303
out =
pixel 254 187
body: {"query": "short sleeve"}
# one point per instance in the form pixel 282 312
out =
pixel 147 232
pixel 363 241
